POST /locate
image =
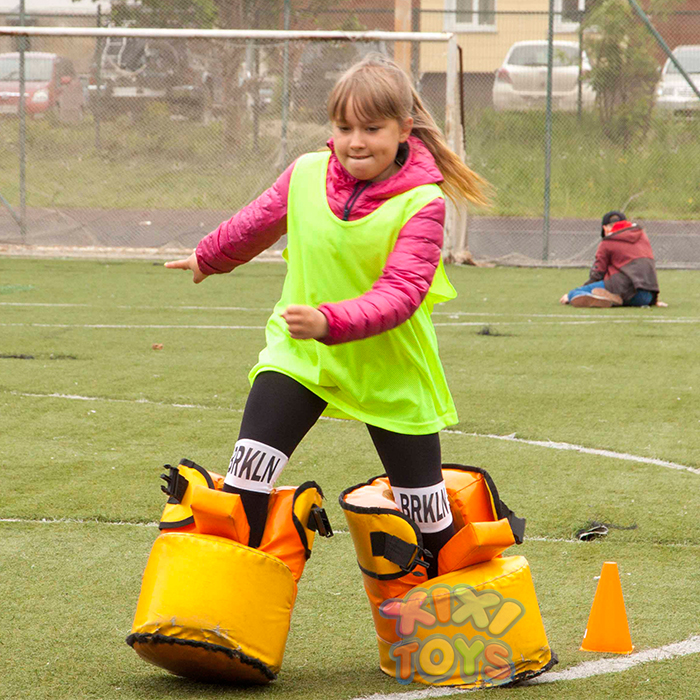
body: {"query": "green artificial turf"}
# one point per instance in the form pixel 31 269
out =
pixel 89 413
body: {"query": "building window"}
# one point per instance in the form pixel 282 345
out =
pixel 568 14
pixel 470 15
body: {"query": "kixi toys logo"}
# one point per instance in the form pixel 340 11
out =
pixel 437 656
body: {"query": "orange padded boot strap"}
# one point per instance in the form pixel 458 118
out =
pixel 475 543
pixel 474 498
pixel 219 513
pixel 293 518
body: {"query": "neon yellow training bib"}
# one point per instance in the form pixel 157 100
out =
pixel 393 380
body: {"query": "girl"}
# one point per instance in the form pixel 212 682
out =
pixel 351 336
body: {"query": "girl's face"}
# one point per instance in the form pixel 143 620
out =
pixel 367 150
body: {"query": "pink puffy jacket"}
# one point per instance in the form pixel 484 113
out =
pixel 409 269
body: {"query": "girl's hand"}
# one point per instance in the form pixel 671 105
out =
pixel 188 264
pixel 564 299
pixel 305 322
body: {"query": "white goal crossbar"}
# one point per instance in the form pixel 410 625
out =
pixel 162 33
pixel 453 123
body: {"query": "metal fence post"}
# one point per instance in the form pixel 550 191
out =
pixel 415 52
pixel 285 85
pixel 548 133
pixel 580 15
pixel 455 222
pixel 22 132
pixel 99 47
pixel 579 95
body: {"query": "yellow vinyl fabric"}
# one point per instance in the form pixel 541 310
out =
pixel 477 623
pixel 483 624
pixel 215 595
pixel 210 607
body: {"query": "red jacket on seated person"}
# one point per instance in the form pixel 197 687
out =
pixel 625 261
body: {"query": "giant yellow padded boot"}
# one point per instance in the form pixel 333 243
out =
pixel 210 607
pixel 477 624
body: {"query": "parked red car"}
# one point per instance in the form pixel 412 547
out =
pixel 51 86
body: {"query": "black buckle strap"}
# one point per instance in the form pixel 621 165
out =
pixel 405 555
pixel 517 525
pixel 319 522
pixel 176 484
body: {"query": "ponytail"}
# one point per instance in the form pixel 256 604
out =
pixel 460 182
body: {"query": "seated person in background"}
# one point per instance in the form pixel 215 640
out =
pixel 623 273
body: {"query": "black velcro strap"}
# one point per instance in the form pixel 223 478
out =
pixel 405 555
pixel 517 525
pixel 176 484
pixel 319 522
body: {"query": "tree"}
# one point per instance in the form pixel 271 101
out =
pixel 201 14
pixel 624 68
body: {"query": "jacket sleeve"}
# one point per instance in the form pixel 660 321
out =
pixel 600 264
pixel 253 229
pixel 403 284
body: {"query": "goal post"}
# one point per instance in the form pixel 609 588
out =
pixel 239 69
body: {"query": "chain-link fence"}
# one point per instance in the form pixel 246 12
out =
pixel 152 142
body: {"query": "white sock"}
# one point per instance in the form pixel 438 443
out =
pixel 427 506
pixel 255 466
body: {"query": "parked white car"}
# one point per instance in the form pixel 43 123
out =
pixel 673 92
pixel 521 81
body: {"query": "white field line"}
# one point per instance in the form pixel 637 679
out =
pixel 590 322
pixel 451 314
pixel 76 397
pixel 584 670
pixel 456 324
pixel 454 314
pixel 565 540
pixel 579 448
pixel 126 326
pixel 73 521
pixel 94 521
pixel 137 308
pixel 508 438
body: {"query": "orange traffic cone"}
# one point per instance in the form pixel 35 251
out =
pixel 607 628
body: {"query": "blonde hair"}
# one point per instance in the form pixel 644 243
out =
pixel 380 89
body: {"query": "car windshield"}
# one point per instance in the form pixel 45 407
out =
pixel 536 55
pixel 34 68
pixel 689 59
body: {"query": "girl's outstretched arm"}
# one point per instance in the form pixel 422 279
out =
pixel 253 229
pixel 400 290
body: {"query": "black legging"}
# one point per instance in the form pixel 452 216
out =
pixel 280 411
